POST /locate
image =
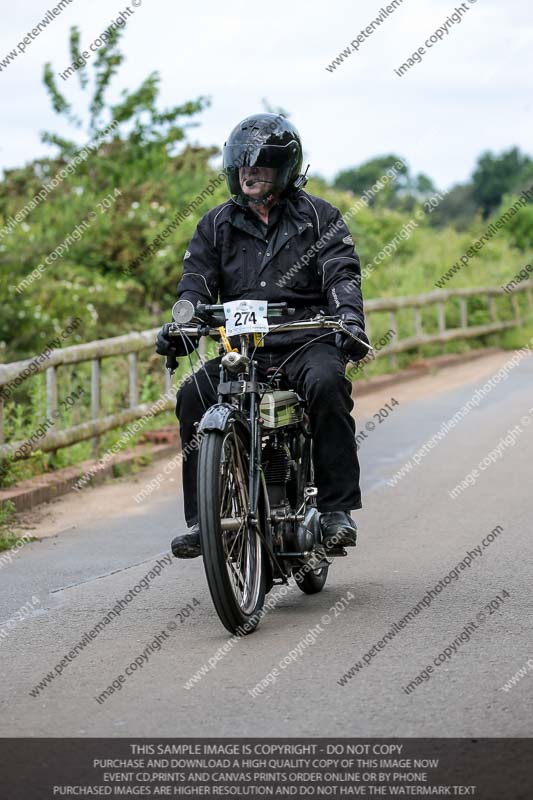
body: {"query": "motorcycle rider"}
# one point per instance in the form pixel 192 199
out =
pixel 273 241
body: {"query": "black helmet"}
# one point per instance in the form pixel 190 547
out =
pixel 264 140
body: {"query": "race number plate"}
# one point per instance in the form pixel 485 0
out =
pixel 246 316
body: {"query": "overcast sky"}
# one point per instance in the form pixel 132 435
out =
pixel 471 91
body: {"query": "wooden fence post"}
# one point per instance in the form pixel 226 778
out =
pixel 516 308
pixel 51 399
pixel 132 380
pixel 441 315
pixel 493 311
pixel 393 324
pixel 463 310
pixel 95 401
pixel 419 330
pixel 51 395
pixel 168 381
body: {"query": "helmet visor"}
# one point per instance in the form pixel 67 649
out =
pixel 274 156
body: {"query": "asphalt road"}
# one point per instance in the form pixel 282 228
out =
pixel 412 535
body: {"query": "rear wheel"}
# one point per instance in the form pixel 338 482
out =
pixel 234 559
pixel 312 581
pixel 308 580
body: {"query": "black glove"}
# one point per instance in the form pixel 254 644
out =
pixel 177 346
pixel 353 349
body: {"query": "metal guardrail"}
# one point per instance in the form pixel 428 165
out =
pixel 132 344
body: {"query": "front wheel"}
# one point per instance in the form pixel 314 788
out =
pixel 234 558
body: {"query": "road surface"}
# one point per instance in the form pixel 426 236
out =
pixel 413 538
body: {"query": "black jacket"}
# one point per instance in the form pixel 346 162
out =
pixel 306 258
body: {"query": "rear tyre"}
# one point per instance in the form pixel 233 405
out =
pixel 313 581
pixel 234 558
pixel 309 581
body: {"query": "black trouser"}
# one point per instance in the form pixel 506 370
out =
pixel 317 374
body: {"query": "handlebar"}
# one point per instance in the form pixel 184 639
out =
pixel 273 309
pixel 331 323
pixel 183 311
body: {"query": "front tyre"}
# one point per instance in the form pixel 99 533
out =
pixel 234 559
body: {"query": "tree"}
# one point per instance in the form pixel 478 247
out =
pixel 402 193
pixel 422 186
pixel 146 166
pixel 140 122
pixel 458 208
pixel 359 179
pixel 496 175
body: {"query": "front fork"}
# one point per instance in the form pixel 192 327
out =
pixel 248 406
pixel 255 445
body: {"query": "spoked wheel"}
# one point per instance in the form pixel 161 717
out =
pixel 234 560
pixel 308 580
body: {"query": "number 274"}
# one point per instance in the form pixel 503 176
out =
pixel 243 317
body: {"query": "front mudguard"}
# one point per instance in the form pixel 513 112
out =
pixel 220 417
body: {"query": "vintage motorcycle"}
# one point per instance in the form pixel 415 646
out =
pixel 256 494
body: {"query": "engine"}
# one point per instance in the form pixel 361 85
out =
pixel 277 467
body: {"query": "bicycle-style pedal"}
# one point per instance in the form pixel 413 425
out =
pixel 336 552
pixel 317 560
pixel 330 552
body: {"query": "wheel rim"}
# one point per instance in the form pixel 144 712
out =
pixel 242 544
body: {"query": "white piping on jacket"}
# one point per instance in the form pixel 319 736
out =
pixel 215 223
pixel 336 258
pixel 305 197
pixel 187 274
